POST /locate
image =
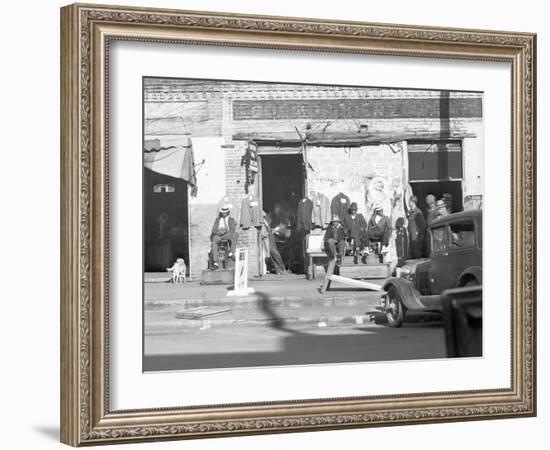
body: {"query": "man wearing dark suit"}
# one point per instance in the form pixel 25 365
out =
pixel 223 229
pixel 417 228
pixel 355 226
pixel 334 239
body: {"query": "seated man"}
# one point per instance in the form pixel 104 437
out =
pixel 355 226
pixel 334 240
pixel 223 229
pixel 379 227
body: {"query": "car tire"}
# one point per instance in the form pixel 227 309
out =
pixel 395 310
pixel 471 283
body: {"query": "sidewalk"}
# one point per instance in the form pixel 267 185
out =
pixel 285 292
pixel 274 303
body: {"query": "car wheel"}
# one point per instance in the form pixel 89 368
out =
pixel 395 311
pixel 471 282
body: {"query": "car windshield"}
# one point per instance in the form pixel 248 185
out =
pixel 463 234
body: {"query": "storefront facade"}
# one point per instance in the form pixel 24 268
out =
pixel 280 142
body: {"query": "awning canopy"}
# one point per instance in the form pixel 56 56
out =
pixel 175 161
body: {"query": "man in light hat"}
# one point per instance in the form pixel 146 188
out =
pixel 223 229
pixel 334 239
pixel 431 212
pixel 379 226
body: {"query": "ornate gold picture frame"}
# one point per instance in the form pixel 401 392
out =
pixel 87 32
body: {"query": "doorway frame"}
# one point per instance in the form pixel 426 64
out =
pixel 143 232
pixel 289 150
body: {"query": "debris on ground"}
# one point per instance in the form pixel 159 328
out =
pixel 201 312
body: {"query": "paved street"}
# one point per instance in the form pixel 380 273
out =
pixel 246 346
pixel 292 324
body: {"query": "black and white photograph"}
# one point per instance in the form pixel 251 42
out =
pixel 294 224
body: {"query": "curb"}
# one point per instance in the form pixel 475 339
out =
pixel 292 301
pixel 322 321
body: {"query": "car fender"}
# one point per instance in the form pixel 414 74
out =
pixel 474 271
pixel 407 292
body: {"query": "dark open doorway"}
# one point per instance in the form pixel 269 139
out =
pixel 437 188
pixel 166 222
pixel 283 185
pixel 282 181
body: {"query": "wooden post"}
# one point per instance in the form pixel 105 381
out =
pixel 328 275
pixel 261 258
pixel 356 283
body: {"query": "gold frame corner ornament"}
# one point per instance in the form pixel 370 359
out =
pixel 86 31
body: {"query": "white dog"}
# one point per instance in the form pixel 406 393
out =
pixel 178 271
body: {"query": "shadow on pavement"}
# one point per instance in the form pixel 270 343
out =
pixel 275 321
pixel 376 344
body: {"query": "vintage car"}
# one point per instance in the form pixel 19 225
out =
pixel 455 261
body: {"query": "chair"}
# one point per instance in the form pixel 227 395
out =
pixel 375 249
pixel 224 246
pixel 314 251
pixel 349 246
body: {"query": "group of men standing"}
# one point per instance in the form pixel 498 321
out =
pixel 418 221
pixel 411 241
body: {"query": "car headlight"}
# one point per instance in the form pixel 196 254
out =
pixel 404 272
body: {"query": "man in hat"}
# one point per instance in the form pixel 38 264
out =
pixel 334 239
pixel 417 228
pixel 223 229
pixel 442 208
pixel 270 247
pixel 379 226
pixel 355 227
pixel 431 212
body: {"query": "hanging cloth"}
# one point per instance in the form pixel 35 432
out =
pixel 340 205
pixel 251 213
pixel 177 162
pixel 305 209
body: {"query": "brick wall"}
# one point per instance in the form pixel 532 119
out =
pixel 235 180
pixel 375 108
pixel 201 218
pixel 158 90
pixel 201 117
